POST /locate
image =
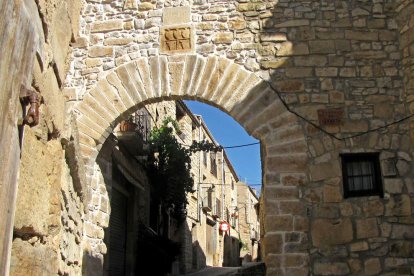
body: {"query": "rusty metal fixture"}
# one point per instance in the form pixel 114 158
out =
pixel 28 96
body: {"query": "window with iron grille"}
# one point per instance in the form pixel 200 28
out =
pixel 210 198
pixel 205 158
pixel 361 174
pixel 218 208
pixel 213 168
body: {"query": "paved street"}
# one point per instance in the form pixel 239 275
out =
pixel 214 271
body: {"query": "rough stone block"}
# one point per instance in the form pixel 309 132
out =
pixel 361 35
pixel 33 260
pixel 367 228
pixel 273 243
pixel 401 249
pixel 292 23
pixel 176 15
pixel 118 41
pixel 322 46
pixel 373 208
pixel 311 60
pixel 359 246
pixel 274 63
pixel 326 72
pixel 100 51
pixel 393 186
pixel 398 205
pixel 146 6
pixel 293 179
pixel 372 266
pixel 328 232
pixel 60 39
pixel 37 184
pixel 107 26
pixel 223 38
pixel 273 37
pixel 290 85
pixel 290 49
pixel 331 268
pixel 325 170
pixel 278 223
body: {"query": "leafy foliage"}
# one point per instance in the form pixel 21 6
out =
pixel 170 167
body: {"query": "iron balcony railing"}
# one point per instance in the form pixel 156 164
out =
pixel 140 122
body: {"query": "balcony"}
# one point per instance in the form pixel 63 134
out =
pixel 135 131
pixel 209 198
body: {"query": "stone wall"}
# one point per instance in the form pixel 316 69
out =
pixel 305 57
pixel 48 226
pixel 404 16
pixel 18 41
pixel 298 57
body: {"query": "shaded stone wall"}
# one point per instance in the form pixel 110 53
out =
pixel 404 17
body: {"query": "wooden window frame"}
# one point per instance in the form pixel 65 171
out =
pixel 373 158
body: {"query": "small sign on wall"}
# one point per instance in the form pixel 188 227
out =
pixel 330 116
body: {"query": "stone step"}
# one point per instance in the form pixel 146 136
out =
pixel 251 269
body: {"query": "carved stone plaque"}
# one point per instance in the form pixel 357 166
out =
pixel 330 116
pixel 176 39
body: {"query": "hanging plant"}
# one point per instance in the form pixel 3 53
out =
pixel 170 167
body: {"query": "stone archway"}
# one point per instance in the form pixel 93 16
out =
pixel 248 99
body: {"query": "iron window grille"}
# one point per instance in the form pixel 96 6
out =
pixel 210 199
pixel 361 175
pixel 205 158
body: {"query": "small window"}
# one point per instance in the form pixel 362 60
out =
pixel 213 163
pixel 205 158
pixel 361 175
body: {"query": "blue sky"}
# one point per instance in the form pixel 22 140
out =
pixel 227 132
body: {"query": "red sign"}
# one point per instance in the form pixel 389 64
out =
pixel 224 226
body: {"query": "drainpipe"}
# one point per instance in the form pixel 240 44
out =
pixel 222 182
pixel 199 173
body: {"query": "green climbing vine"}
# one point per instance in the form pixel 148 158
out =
pixel 170 167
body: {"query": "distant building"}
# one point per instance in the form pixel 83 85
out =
pixel 214 200
pixel 249 224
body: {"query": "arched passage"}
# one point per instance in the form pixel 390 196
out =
pixel 248 99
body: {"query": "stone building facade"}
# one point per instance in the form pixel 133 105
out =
pixel 315 81
pixel 249 222
pixel 213 201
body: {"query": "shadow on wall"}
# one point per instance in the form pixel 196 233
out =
pixel 198 257
pixel 92 265
pixel 231 251
pixel 155 255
